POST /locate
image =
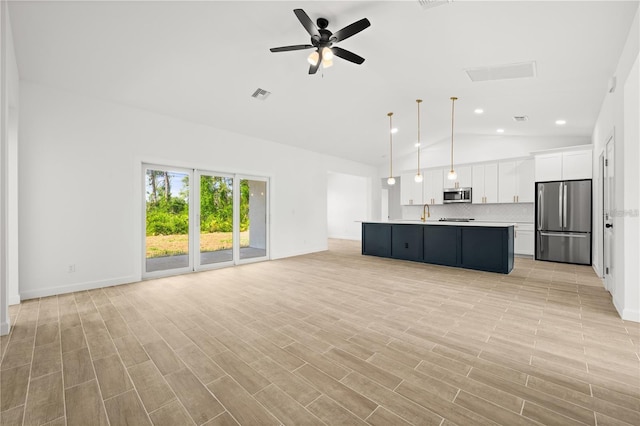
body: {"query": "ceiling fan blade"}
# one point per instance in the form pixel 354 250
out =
pixel 345 54
pixel 314 68
pixel 350 30
pixel 307 23
pixel 289 48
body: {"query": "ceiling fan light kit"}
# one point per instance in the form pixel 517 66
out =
pixel 323 41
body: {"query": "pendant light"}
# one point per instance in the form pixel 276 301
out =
pixel 452 173
pixel 391 180
pixel 418 176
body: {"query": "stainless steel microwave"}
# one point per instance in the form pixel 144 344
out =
pixel 456 195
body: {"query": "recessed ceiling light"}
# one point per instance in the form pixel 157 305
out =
pixel 500 130
pixel 561 122
pixel 394 130
pixel 478 110
pixel 417 145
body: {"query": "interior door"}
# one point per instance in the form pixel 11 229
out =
pixel 607 219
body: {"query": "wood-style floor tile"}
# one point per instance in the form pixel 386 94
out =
pixel 151 386
pixel 198 401
pixel 77 367
pixel 13 387
pixel 240 403
pixel 285 408
pixel 171 414
pixel 347 397
pixel 12 417
pixel 292 385
pixel 112 376
pixel 333 413
pixel 333 337
pixel 165 359
pixel 126 409
pixel 246 376
pixel 45 401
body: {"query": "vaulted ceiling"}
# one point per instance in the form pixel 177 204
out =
pixel 201 61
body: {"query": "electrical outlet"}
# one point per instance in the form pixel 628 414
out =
pixel 72 268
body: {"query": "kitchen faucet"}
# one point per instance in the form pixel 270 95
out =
pixel 425 213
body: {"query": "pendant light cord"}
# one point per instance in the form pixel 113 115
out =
pixel 390 146
pixel 418 101
pixel 453 102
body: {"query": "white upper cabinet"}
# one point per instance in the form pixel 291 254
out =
pixel 516 181
pixel 410 190
pixel 462 181
pixel 432 186
pixel 484 183
pixel 525 181
pixel 548 167
pixel 577 165
pixel 567 165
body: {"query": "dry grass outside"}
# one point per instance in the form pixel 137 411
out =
pixel 172 245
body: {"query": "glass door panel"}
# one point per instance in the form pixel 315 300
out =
pixel 253 233
pixel 215 219
pixel 167 212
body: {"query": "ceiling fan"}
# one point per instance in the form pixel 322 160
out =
pixel 322 40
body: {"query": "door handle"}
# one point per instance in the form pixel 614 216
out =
pixel 549 234
pixel 560 221
pixel 540 208
pixel 564 206
pixel 608 225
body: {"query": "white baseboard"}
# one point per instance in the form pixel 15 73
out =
pixel 630 315
pixel 298 253
pixel 52 291
pixel 14 300
pixel 626 314
pixel 4 328
pixel 346 237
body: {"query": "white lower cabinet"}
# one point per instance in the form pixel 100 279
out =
pixel 523 239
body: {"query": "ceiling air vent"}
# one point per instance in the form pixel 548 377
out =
pixel 261 94
pixel 502 72
pixel 520 118
pixel 427 4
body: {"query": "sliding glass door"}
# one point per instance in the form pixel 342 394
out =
pixel 167 220
pixel 215 220
pixel 196 220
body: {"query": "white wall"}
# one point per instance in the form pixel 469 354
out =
pixel 9 77
pixel 619 116
pixel 81 186
pixel 348 201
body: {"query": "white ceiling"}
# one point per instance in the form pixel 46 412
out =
pixel 201 61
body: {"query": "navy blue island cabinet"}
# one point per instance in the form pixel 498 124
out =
pixel 481 247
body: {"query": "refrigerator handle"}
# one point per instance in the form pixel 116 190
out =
pixel 560 204
pixel 540 207
pixel 564 207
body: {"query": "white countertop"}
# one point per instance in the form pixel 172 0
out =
pixel 437 222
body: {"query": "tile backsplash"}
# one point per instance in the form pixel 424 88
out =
pixel 516 212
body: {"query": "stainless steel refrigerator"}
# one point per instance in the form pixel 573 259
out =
pixel 563 221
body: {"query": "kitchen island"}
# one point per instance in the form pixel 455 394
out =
pixel 483 246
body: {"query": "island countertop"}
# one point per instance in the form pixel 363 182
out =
pixel 440 223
